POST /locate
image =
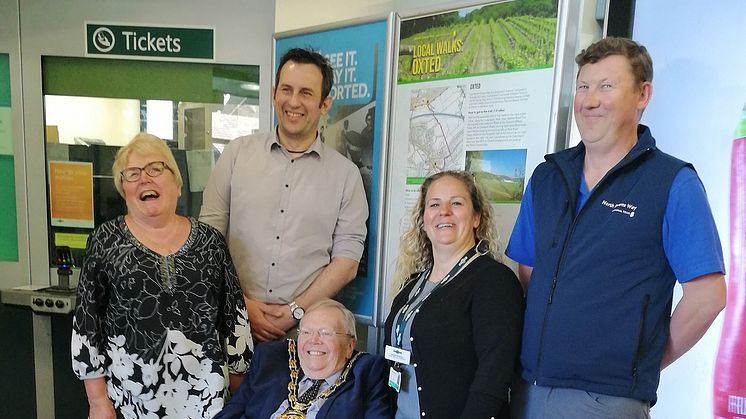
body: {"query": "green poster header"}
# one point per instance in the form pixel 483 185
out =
pixel 168 43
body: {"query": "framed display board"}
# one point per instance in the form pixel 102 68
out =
pixel 356 127
pixel 475 91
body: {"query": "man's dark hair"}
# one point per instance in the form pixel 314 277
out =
pixel 307 56
pixel 636 54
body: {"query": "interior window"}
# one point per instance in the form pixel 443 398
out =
pixel 92 107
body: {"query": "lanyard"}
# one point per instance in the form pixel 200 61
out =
pixel 408 310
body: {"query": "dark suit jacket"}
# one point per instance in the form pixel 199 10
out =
pixel 363 395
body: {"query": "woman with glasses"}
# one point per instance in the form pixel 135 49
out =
pixel 160 317
pixel 319 376
pixel 453 333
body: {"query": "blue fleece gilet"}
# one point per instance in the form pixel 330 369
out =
pixel 599 299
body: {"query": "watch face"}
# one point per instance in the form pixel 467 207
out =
pixel 298 313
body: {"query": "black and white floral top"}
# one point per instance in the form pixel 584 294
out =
pixel 163 330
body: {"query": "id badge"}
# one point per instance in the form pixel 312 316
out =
pixel 394 379
pixel 399 355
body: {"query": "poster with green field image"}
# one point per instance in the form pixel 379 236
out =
pixel 474 92
pixel 500 173
pixel 500 37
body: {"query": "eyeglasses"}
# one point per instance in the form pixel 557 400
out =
pixel 323 333
pixel 153 169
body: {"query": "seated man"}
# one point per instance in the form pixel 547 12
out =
pixel 333 381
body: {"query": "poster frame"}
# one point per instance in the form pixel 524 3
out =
pixel 380 169
pixel 560 119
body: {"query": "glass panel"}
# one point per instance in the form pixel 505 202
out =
pixel 159 119
pixel 210 105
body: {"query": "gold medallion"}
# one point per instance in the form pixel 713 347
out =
pixel 297 410
pixel 292 414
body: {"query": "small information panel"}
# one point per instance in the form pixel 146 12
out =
pixel 158 42
pixel 71 194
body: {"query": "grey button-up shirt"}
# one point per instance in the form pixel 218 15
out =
pixel 284 216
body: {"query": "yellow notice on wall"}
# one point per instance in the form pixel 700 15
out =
pixel 71 194
pixel 71 240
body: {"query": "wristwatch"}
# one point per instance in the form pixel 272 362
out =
pixel 296 311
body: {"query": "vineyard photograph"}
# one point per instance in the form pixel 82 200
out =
pixel 503 37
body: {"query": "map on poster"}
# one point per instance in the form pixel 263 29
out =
pixel 436 131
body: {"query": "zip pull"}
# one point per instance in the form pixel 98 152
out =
pixel 551 291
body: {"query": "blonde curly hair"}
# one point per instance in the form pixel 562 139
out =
pixel 415 249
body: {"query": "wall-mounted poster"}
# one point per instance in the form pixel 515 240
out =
pixel 353 126
pixel 8 222
pixel 474 92
pixel 704 124
pixel 71 194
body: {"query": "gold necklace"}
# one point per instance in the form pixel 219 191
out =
pixel 296 409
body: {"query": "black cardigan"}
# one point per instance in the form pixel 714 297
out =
pixel 466 342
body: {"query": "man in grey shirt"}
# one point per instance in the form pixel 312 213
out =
pixel 292 209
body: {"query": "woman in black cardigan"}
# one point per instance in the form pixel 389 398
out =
pixel 459 312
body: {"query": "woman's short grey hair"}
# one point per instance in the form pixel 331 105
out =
pixel 349 318
pixel 144 143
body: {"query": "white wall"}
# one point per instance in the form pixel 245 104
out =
pixel 699 88
pixel 298 14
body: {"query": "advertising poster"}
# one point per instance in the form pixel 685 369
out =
pixel 8 222
pixel 71 194
pixel 474 89
pixel 353 125
pixel 704 124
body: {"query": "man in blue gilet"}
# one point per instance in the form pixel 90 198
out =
pixel 605 231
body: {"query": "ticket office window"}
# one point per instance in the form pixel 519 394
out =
pixel 92 107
